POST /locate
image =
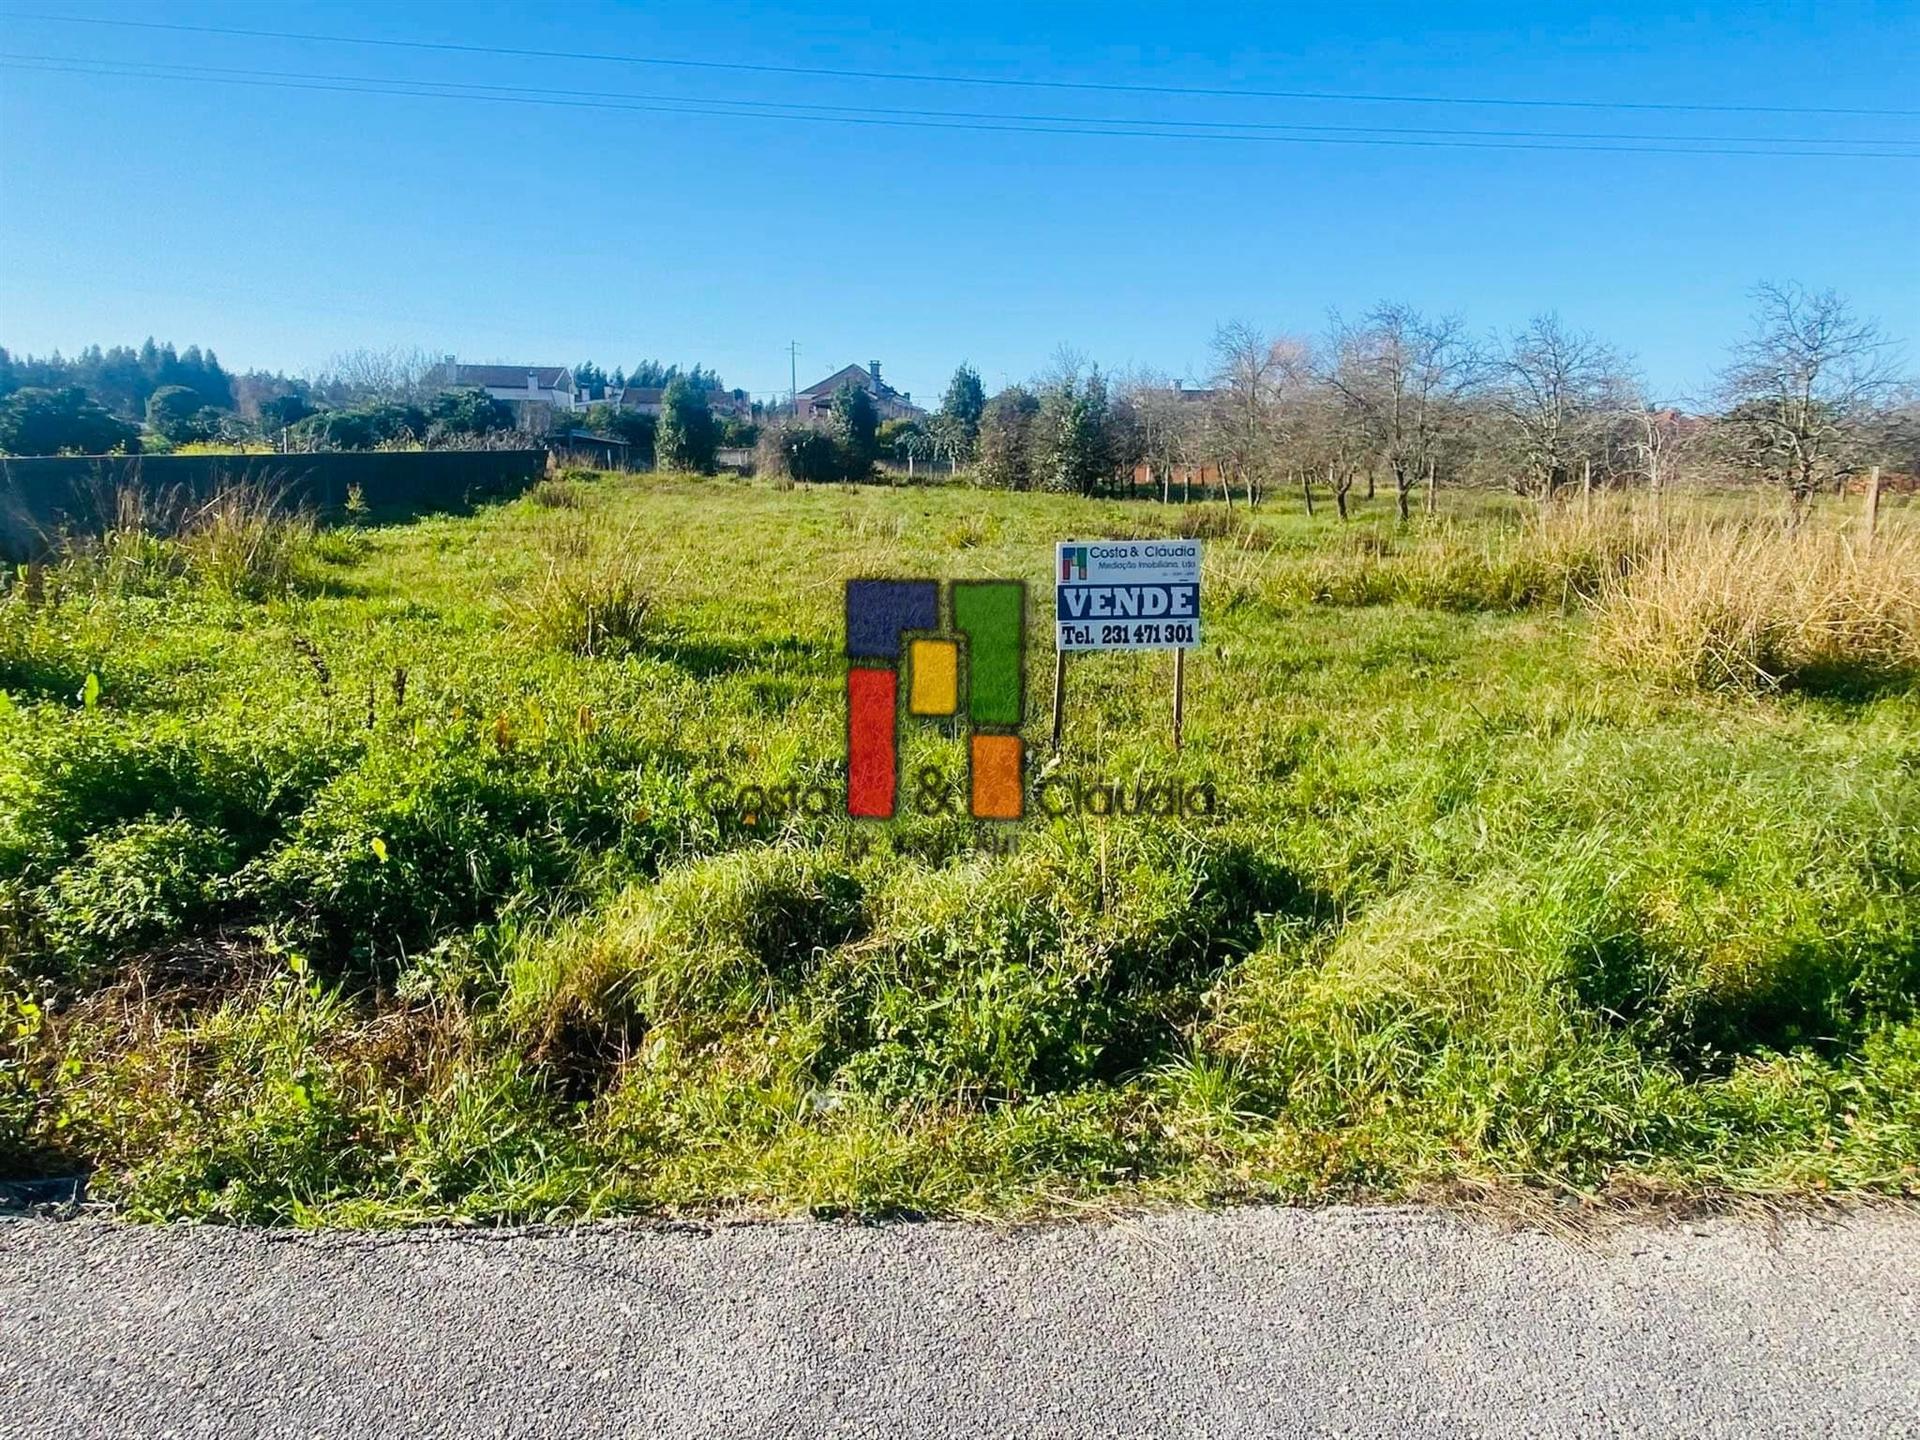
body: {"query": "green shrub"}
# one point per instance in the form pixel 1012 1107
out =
pixel 132 886
pixel 421 840
pixel 68 782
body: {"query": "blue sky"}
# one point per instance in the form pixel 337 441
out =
pixel 284 225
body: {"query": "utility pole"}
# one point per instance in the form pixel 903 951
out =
pixel 793 377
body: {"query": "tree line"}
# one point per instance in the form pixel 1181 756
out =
pixel 154 397
pixel 1809 398
pixel 128 400
pixel 1812 395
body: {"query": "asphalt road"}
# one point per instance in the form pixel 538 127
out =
pixel 1256 1322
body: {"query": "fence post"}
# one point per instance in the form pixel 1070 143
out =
pixel 1873 505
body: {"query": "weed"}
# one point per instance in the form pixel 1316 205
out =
pixel 245 544
pixel 548 494
pixel 590 599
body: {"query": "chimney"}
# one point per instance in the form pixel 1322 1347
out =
pixel 533 382
pixel 873 368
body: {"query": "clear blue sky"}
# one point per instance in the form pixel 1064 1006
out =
pixel 281 226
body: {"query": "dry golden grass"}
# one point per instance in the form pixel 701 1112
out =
pixel 1751 605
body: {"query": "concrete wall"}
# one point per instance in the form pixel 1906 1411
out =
pixel 42 498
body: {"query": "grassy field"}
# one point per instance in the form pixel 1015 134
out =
pixel 400 872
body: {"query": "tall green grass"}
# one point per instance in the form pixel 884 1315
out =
pixel 390 884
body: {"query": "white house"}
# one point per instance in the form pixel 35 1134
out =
pixel 535 393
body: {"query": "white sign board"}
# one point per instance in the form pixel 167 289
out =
pixel 1126 594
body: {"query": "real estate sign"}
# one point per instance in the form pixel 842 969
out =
pixel 1127 595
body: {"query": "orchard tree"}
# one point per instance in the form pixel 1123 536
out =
pixel 1167 428
pixel 1555 390
pixel 1806 391
pixel 685 437
pixel 1329 439
pixel 1405 378
pixel 1244 429
pixel 1658 439
pixel 399 375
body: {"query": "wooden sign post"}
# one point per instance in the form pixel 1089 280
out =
pixel 1179 695
pixel 1059 694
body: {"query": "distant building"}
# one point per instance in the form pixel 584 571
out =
pixel 641 399
pixel 647 400
pixel 583 447
pixel 816 401
pixel 535 393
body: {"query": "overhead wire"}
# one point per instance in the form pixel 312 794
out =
pixel 921 112
pixel 922 77
pixel 928 120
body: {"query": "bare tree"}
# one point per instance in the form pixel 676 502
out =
pixel 1250 369
pixel 1167 424
pixel 1403 376
pixel 1658 438
pixel 1805 391
pixel 1555 390
pixel 399 373
pixel 1327 438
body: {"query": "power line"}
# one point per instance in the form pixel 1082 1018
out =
pixel 949 79
pixel 1122 130
pixel 460 89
